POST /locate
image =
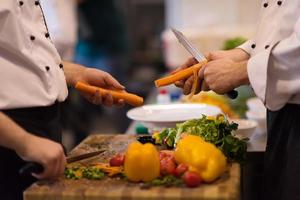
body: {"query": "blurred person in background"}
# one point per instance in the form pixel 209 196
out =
pixel 270 62
pixel 61 17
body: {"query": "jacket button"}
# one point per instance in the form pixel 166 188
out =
pixel 37 3
pixel 21 3
pixel 253 46
pixel 47 68
pixel 266 5
pixel 279 3
pixel 47 35
pixel 32 38
pixel 267 46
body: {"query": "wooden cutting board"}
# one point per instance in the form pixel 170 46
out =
pixel 227 187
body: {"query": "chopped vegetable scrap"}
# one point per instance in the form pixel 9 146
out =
pixel 91 173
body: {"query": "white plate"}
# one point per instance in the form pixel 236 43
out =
pixel 159 116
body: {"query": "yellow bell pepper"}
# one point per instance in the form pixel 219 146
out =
pixel 202 157
pixel 141 162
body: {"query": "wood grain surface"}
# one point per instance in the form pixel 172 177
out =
pixel 227 187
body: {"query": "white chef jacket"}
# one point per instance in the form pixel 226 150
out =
pixel 31 73
pixel 274 65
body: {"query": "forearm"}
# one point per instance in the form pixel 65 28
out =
pixel 242 74
pixel 12 136
pixel 72 71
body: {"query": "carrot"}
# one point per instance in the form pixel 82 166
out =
pixel 129 98
pixel 195 84
pixel 182 74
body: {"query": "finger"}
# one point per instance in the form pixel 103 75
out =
pixel 107 100
pixel 201 73
pixel 208 56
pixel 97 98
pixel 48 168
pixel 198 86
pixel 62 165
pixel 188 85
pixel 204 86
pixel 56 167
pixel 112 82
pixel 120 103
pixel 179 84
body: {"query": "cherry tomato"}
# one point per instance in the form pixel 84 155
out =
pixel 167 166
pixel 191 179
pixel 180 169
pixel 117 160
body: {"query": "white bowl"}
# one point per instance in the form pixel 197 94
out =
pixel 167 116
pixel 245 129
pixel 255 104
pixel 260 118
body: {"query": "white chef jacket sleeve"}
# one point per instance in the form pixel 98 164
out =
pixel 246 46
pixel 275 73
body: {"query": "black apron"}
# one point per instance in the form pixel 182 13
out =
pixel 41 121
pixel 282 158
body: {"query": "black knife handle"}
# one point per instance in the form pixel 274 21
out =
pixel 31 167
pixel 232 94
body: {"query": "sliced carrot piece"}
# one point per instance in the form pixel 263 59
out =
pixel 182 74
pixel 195 84
pixel 129 98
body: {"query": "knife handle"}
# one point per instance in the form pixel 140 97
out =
pixel 31 167
pixel 232 94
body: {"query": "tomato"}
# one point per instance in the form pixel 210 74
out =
pixel 117 160
pixel 191 179
pixel 162 155
pixel 167 166
pixel 180 169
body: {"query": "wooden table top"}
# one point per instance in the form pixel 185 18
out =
pixel 227 187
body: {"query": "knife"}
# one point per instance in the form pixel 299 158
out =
pixel 197 55
pixel 33 167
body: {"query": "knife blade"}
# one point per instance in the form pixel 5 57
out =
pixel 33 167
pixel 196 54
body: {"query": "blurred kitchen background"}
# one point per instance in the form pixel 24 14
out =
pixel 131 39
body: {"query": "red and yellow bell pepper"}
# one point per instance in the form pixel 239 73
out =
pixel 141 162
pixel 202 157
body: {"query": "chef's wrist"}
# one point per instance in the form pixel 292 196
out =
pixel 73 72
pixel 239 55
pixel 242 74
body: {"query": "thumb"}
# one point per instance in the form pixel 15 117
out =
pixel 112 82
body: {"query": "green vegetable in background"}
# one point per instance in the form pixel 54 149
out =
pixel 233 43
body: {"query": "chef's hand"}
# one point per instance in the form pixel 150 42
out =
pixel 45 152
pixel 237 55
pixel 223 75
pixel 95 77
